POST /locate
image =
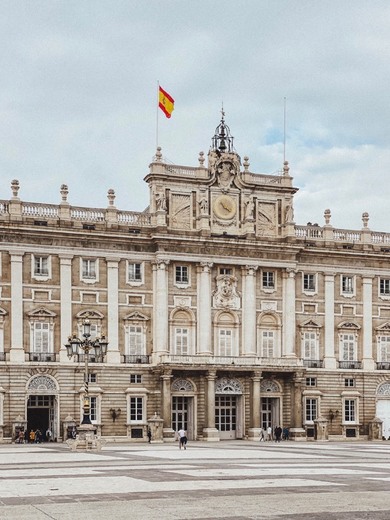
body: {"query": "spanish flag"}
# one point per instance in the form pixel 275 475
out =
pixel 165 102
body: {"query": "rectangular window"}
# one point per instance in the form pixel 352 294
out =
pixel 311 381
pixel 347 285
pixel 89 268
pixel 41 337
pixel 226 270
pixel 384 348
pixel 134 273
pixel 268 280
pixel 348 381
pixel 93 408
pixel 309 282
pixel 225 342
pixel 310 345
pixel 350 410
pixel 135 378
pixel 267 343
pixel 92 378
pixel 348 347
pixel 136 340
pixel 181 341
pixel 384 286
pixel 311 409
pixel 41 266
pixel 181 275
pixel 136 409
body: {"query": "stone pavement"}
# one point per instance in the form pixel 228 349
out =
pixel 227 480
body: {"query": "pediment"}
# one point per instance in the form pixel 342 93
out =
pixel 42 312
pixel 349 325
pixel 136 316
pixel 90 314
pixel 310 324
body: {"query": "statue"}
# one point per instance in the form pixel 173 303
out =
pixel 161 202
pixel 249 207
pixel 289 213
pixel 203 205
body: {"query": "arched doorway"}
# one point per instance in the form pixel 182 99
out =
pixel 184 407
pixel 270 404
pixel 42 405
pixel 229 408
pixel 383 408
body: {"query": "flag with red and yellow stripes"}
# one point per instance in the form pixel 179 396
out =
pixel 165 102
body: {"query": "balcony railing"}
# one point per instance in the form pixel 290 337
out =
pixel 350 364
pixel 42 357
pixel 80 358
pixel 230 360
pixel 313 363
pixel 136 359
pixel 383 365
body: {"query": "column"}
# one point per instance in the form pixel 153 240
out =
pixel 204 345
pixel 297 431
pixel 166 399
pixel 249 311
pixel 289 313
pixel 368 361
pixel 17 350
pixel 113 352
pixel 65 304
pixel 329 358
pixel 254 430
pixel 210 433
pixel 160 308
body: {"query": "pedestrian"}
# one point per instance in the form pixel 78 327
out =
pixel 269 433
pixel 26 436
pixel 261 435
pixel 149 434
pixel 278 433
pixel 182 438
pixel 48 435
pixel 20 437
pixel 286 434
pixel 38 436
pixel 32 435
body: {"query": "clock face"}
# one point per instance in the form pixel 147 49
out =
pixel 225 207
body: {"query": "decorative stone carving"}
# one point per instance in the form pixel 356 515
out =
pixel 266 219
pixel 384 389
pixel 161 203
pixel 226 385
pixel 182 385
pixel 42 383
pixel 225 173
pixel 226 296
pixel 180 212
pixel 269 386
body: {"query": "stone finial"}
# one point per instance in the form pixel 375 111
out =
pixel 111 197
pixel 158 155
pixel 64 193
pixel 15 188
pixel 201 159
pixel 327 216
pixel 246 163
pixel 286 169
pixel 365 219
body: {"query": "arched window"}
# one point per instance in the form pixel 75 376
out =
pixel 268 336
pixel 182 333
pixel 226 334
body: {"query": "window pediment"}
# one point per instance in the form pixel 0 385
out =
pixel 350 325
pixel 136 316
pixel 41 313
pixel 310 324
pixel 384 328
pixel 90 314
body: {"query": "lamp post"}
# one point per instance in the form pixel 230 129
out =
pixel 86 345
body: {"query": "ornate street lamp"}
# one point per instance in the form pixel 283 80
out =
pixel 86 345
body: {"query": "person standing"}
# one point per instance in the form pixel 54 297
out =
pixel 149 434
pixel 182 438
pixel 269 433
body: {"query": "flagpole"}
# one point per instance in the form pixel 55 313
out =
pixel 284 131
pixel 158 90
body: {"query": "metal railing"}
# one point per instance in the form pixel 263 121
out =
pixel 383 365
pixel 313 363
pixel 350 364
pixel 41 357
pixel 136 359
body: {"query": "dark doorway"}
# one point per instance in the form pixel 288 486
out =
pixel 40 409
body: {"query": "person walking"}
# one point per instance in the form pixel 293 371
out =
pixel 149 434
pixel 269 433
pixel 278 434
pixel 32 435
pixel 182 438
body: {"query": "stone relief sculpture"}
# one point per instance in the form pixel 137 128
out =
pixel 289 213
pixel 266 219
pixel 180 212
pixel 203 206
pixel 226 296
pixel 249 207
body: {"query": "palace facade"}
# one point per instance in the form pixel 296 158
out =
pixel 222 315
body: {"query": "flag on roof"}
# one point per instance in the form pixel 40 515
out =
pixel 165 102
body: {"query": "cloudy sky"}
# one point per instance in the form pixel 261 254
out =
pixel 78 96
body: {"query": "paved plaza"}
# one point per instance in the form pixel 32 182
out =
pixel 233 479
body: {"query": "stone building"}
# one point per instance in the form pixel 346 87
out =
pixel 223 316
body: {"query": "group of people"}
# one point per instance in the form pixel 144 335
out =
pixel 33 436
pixel 277 434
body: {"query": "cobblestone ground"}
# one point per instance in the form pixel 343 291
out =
pixel 233 480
